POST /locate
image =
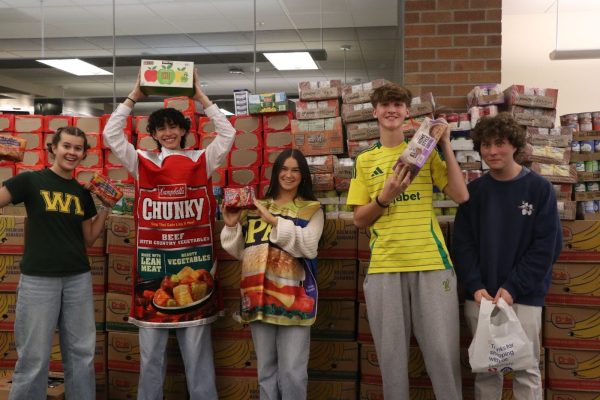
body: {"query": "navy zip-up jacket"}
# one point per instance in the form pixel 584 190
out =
pixel 508 235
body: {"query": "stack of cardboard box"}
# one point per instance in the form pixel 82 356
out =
pixel 571 332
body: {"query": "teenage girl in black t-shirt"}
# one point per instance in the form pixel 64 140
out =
pixel 55 288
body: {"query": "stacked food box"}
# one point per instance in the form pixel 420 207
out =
pixel 357 112
pixel 572 313
pixel 531 106
pixel 571 331
pixel 318 132
pixel 259 140
pixel 548 150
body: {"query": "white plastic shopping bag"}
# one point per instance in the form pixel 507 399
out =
pixel 500 344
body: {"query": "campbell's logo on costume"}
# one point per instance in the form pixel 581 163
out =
pixel 172 210
pixel 172 191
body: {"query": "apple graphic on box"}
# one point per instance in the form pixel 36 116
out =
pixel 151 74
pixel 166 75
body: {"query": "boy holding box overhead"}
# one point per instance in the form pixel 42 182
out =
pixel 176 269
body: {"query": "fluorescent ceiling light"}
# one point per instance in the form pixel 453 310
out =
pixel 581 54
pixel 224 111
pixel 291 61
pixel 75 66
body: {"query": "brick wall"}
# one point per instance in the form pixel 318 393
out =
pixel 451 46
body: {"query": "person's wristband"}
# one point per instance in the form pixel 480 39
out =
pixel 132 100
pixel 380 204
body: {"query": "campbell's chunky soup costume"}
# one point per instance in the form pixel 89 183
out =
pixel 175 278
pixel 175 273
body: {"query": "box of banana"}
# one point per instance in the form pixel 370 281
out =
pixel 337 279
pixel 333 360
pixel 120 234
pixel 234 357
pixel 56 387
pixel 336 320
pixel 237 388
pixel 581 241
pixel 571 328
pixel 573 369
pixel 12 234
pixel 8 305
pixel 10 271
pixel 576 284
pixel 331 390
pixel 570 395
pixel 338 240
pixel 124 385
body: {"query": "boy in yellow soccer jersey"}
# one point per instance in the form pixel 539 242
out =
pixel 410 282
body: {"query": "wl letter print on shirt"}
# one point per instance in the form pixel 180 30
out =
pixel 61 202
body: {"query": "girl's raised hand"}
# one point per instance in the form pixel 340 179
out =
pixel 264 213
pixel 231 217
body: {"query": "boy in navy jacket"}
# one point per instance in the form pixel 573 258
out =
pixel 506 239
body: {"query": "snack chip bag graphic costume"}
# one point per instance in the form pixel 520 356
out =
pixel 276 287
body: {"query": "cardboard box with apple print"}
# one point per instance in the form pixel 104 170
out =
pixel 169 78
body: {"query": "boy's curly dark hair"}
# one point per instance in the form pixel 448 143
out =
pixel 501 126
pixel 391 92
pixel 168 116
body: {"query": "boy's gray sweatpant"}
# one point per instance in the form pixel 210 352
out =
pixel 427 302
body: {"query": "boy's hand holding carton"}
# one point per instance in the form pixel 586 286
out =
pixel 422 145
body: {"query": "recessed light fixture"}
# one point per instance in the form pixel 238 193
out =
pixel 75 66
pixel 236 71
pixel 289 61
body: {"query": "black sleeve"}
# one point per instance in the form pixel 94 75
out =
pixel 18 186
pixel 89 208
pixel 465 248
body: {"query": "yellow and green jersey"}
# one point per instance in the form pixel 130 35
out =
pixel 407 236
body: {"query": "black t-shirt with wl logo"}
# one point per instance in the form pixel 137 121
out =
pixel 56 208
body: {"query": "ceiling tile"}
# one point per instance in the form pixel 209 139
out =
pixel 226 38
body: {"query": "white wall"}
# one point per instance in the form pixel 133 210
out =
pixel 527 40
